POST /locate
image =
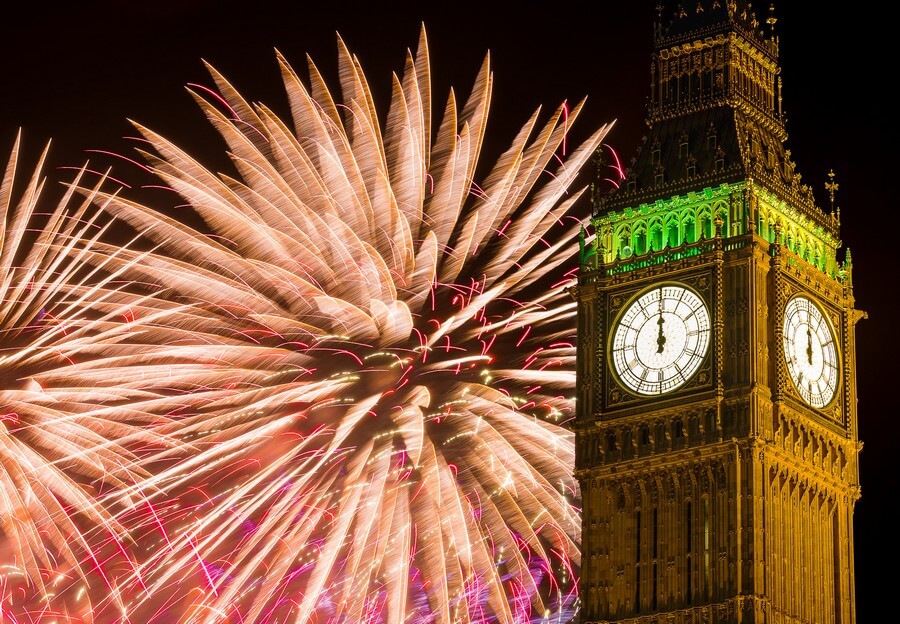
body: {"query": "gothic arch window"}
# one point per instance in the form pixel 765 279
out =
pixel 640 239
pixel 720 159
pixel 673 235
pixel 623 241
pixel 627 445
pixel 606 240
pixel 791 239
pixel 656 234
pixel 677 434
pixel 610 441
pixel 705 219
pixel 645 435
pixel 721 212
pixel 721 208
pixel 689 227
pixel 762 225
pixel 799 246
pixel 691 166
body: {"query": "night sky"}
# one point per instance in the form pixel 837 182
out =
pixel 76 74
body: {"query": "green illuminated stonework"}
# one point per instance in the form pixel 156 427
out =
pixel 666 229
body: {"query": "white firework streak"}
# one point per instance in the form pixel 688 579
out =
pixel 378 361
pixel 61 450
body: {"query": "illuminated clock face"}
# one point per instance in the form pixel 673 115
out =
pixel 660 340
pixel 810 352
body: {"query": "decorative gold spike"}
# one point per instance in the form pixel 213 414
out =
pixel 831 186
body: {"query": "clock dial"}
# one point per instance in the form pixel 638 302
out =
pixel 810 351
pixel 660 340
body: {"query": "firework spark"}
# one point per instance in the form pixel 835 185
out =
pixel 378 367
pixel 60 451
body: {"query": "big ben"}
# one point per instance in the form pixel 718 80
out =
pixel 717 445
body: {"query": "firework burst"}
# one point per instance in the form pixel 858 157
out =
pixel 61 452
pixel 380 360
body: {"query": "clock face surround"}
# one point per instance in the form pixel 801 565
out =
pixel 810 351
pixel 660 340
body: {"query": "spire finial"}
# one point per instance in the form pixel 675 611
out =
pixel 771 20
pixel 831 186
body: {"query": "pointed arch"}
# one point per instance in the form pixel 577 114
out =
pixel 656 230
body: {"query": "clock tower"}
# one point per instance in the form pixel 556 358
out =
pixel 716 416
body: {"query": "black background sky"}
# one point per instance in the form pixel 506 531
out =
pixel 74 73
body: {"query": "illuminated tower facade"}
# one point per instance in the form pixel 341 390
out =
pixel 716 426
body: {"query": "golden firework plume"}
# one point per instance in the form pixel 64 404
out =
pixel 369 356
pixel 61 449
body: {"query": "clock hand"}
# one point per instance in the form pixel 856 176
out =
pixel 661 339
pixel 809 349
